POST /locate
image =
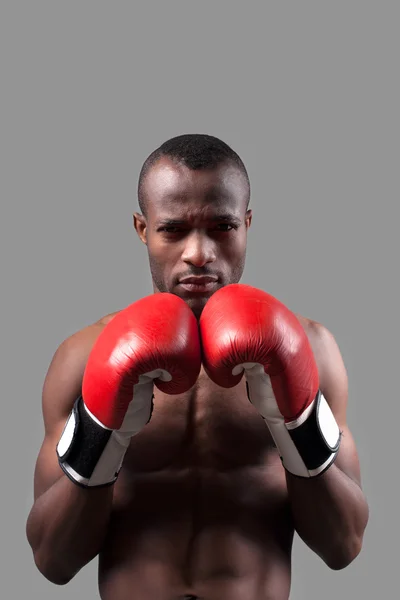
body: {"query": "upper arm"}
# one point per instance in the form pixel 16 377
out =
pixel 334 387
pixel 62 386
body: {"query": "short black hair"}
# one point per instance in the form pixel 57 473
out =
pixel 194 150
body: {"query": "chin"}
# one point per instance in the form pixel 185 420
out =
pixel 196 305
pixel 196 302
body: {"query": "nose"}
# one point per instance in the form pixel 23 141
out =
pixel 199 250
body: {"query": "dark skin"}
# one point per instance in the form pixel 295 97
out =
pixel 202 505
pixel 196 223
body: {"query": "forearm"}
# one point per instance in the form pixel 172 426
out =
pixel 66 528
pixel 330 514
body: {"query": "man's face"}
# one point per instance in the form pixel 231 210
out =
pixel 195 229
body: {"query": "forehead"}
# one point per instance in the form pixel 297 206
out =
pixel 172 187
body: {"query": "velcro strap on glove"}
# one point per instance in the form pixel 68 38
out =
pixel 309 444
pixel 90 454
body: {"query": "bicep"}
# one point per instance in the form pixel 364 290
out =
pixel 334 387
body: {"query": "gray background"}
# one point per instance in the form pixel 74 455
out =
pixel 308 94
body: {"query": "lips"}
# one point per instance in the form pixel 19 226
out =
pixel 199 279
pixel 199 284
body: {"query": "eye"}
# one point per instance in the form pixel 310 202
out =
pixel 225 227
pixel 170 229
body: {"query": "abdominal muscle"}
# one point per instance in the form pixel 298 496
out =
pixel 200 506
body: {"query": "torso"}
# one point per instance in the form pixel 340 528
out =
pixel 200 506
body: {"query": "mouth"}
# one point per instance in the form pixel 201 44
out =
pixel 199 285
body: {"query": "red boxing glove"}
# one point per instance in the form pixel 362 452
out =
pixel 245 330
pixel 153 341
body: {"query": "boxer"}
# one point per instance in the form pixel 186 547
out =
pixel 191 434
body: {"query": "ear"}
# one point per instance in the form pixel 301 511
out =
pixel 248 217
pixel 140 224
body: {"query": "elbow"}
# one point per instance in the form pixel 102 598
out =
pixel 342 556
pixel 50 571
pixel 43 562
pixel 347 546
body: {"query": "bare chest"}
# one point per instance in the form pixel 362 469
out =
pixel 202 493
pixel 201 503
pixel 205 458
pixel 206 428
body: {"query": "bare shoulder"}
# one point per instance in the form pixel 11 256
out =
pixel 63 380
pixel 321 338
pixel 103 321
pixel 331 368
pixel 80 343
pixel 312 328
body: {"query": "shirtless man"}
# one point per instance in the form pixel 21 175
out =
pixel 169 452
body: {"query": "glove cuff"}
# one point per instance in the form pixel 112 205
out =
pixel 90 454
pixel 309 444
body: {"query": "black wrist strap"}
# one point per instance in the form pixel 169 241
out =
pixel 311 441
pixel 82 446
pixel 87 444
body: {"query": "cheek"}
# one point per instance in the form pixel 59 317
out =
pixel 162 253
pixel 236 248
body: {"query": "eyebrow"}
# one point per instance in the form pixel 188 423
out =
pixel 215 218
